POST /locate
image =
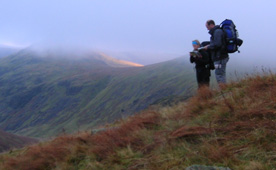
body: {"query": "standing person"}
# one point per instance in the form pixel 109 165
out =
pixel 201 60
pixel 218 50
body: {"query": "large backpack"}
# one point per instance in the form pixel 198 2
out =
pixel 231 36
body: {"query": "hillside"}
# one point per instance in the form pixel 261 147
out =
pixel 233 127
pixel 10 141
pixel 6 51
pixel 45 94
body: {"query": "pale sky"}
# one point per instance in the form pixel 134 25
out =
pixel 161 26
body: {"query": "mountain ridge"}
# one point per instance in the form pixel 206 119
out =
pixel 39 93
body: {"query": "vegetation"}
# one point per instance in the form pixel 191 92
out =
pixel 9 141
pixel 233 127
pixel 41 96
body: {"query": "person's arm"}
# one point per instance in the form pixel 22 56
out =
pixel 217 42
pixel 204 59
pixel 192 59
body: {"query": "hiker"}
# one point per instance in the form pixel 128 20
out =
pixel 218 50
pixel 201 60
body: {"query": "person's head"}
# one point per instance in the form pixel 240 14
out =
pixel 196 44
pixel 210 24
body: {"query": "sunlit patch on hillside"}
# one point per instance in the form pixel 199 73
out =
pixel 119 63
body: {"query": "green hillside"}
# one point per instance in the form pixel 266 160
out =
pixel 45 94
pixel 232 128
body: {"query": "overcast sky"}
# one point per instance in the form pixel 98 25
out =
pixel 161 26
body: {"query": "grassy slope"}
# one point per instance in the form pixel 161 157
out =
pixel 41 97
pixel 34 89
pixel 121 95
pixel 129 93
pixel 234 127
pixel 10 141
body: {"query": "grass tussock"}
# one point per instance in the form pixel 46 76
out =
pixel 233 127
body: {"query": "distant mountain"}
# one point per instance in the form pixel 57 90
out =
pixel 145 58
pixel 44 94
pixel 10 141
pixel 118 63
pixel 6 51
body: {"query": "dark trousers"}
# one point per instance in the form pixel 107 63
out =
pixel 203 76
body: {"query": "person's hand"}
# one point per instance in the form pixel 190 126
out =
pixel 191 55
pixel 206 47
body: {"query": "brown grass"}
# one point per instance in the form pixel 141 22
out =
pixel 230 124
pixel 106 142
pixel 215 152
pixel 202 100
pixel 191 132
pixel 102 145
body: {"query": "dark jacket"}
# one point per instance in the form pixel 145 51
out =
pixel 200 62
pixel 217 44
pixel 203 72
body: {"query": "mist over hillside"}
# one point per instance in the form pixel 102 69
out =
pixel 44 93
pixel 6 51
pixel 145 58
